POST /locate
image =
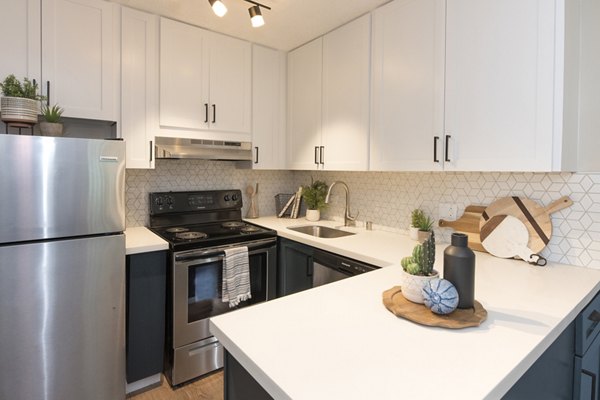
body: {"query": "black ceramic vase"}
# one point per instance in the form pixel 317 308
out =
pixel 459 268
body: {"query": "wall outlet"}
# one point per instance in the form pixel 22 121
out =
pixel 448 211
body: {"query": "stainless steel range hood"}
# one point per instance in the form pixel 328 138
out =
pixel 203 149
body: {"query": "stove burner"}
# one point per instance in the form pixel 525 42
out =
pixel 232 224
pixel 191 235
pixel 249 229
pixel 177 230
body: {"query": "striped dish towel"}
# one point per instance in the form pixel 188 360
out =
pixel 236 276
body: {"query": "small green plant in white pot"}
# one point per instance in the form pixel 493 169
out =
pixel 314 198
pixel 421 225
pixel 19 101
pixel 418 270
pixel 52 125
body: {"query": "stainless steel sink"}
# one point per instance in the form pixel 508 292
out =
pixel 320 231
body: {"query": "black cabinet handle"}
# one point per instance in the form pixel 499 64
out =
pixel 205 113
pixel 256 159
pixel 435 141
pixel 48 93
pixel 446 150
pixel 594 316
pixel 321 154
pixel 593 376
pixel 316 155
pixel 151 151
pixel 310 267
pixel 214 106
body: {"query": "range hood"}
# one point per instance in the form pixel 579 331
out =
pixel 202 149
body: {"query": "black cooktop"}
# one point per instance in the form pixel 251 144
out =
pixel 200 219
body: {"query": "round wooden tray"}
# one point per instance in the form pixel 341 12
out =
pixel 459 318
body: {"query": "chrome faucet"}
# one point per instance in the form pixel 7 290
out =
pixel 349 220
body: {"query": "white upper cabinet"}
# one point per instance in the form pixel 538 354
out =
pixel 346 87
pixel 407 114
pixel 80 57
pixel 328 100
pixel 139 86
pixel 305 68
pixel 500 84
pixel 20 39
pixel 205 80
pixel 268 108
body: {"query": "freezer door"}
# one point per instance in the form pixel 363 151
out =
pixel 62 319
pixel 60 187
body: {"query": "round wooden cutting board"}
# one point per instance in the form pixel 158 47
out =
pixel 535 217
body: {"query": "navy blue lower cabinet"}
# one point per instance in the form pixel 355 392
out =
pixel 145 314
pixel 587 352
pixel 295 267
pixel 551 376
pixel 239 384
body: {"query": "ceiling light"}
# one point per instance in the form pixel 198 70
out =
pixel 218 7
pixel 256 17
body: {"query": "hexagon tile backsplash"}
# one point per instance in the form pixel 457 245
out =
pixel 387 198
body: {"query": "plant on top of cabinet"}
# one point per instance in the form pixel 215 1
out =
pixel 20 100
pixel 52 126
pixel 314 196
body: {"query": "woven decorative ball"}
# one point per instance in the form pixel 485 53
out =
pixel 440 296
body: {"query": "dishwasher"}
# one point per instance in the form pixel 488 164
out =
pixel 329 267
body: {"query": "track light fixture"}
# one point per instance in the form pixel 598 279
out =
pixel 256 17
pixel 218 7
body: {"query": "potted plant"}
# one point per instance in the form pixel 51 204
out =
pixel 418 270
pixel 421 225
pixel 52 125
pixel 314 197
pixel 20 101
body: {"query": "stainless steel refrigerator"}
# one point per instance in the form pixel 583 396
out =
pixel 62 268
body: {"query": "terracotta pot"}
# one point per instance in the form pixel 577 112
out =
pixel 412 285
pixel 313 215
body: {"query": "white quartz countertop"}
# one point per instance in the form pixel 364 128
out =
pixel 339 341
pixel 142 240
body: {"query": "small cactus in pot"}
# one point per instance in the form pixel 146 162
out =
pixel 418 269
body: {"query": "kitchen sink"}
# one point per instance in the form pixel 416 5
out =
pixel 320 231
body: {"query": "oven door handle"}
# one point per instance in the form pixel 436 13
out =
pixel 194 256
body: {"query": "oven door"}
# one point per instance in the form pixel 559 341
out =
pixel 197 286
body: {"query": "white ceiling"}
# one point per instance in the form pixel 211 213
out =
pixel 289 24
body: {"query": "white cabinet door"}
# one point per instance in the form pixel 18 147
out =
pixel 80 54
pixel 139 86
pixel 407 113
pixel 304 105
pixel 268 108
pixel 20 39
pixel 184 101
pixel 500 71
pixel 230 84
pixel 345 125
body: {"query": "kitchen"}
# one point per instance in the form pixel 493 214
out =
pixel 383 194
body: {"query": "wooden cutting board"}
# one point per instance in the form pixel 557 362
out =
pixel 535 217
pixel 395 302
pixel 468 224
pixel 506 236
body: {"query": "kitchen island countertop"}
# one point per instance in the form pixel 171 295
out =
pixel 339 341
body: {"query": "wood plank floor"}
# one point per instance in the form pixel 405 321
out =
pixel 208 388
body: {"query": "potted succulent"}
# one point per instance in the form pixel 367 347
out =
pixel 418 270
pixel 314 197
pixel 52 125
pixel 19 101
pixel 421 225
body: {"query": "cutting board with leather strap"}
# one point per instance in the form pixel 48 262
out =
pixel 535 217
pixel 468 224
pixel 506 236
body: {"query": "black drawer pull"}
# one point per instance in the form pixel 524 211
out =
pixel 435 141
pixel 317 155
pixel 446 149
pixel 593 376
pixel 594 316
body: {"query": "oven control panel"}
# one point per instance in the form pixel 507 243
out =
pixel 173 202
